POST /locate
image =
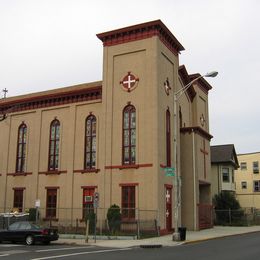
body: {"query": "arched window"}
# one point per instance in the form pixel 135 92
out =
pixel 90 142
pixel 129 135
pixel 168 138
pixel 54 145
pixel 21 148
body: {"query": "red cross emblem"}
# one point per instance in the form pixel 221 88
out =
pixel 129 81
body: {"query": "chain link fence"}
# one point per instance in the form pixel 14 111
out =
pixel 129 222
pixel 240 217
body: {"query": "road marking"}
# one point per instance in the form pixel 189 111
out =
pixel 82 253
pixel 9 245
pixel 64 248
pixel 4 255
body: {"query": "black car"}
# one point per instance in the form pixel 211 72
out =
pixel 29 233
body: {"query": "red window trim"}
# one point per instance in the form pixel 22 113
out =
pixel 52 187
pixel 128 184
pixel 19 174
pixel 92 170
pixel 19 188
pixel 128 166
pixel 89 187
pixel 168 186
pixel 53 172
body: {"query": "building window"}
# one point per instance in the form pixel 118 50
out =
pixel 255 167
pixel 88 206
pixel 129 135
pixel 128 202
pixel 243 166
pixel 90 142
pixel 168 138
pixel 233 176
pixel 244 185
pixel 256 186
pixel 51 203
pixel 21 148
pixel 54 145
pixel 18 200
pixel 225 175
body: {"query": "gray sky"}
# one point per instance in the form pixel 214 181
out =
pixel 47 44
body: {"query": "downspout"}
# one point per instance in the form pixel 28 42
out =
pixel 194 182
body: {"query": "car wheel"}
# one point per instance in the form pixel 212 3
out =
pixel 29 240
pixel 46 242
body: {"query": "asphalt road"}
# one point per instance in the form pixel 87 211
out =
pixel 229 248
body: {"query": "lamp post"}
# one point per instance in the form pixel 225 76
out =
pixel 176 180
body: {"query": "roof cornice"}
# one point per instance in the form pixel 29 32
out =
pixel 140 32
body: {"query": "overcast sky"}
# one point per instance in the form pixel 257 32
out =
pixel 46 44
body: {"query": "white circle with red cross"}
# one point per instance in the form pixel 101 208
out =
pixel 129 82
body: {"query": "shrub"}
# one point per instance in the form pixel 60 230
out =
pixel 114 218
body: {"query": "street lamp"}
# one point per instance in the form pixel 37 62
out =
pixel 177 201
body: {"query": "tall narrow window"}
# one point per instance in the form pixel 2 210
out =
pixel 128 202
pixel 18 199
pixel 51 203
pixel 90 142
pixel 54 145
pixel 168 138
pixel 88 206
pixel 21 148
pixel 129 135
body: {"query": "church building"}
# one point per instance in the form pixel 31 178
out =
pixel 116 138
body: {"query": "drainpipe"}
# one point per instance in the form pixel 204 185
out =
pixel 194 182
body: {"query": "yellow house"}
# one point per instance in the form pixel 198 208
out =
pixel 111 141
pixel 247 180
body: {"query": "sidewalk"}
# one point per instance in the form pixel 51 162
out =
pixel 191 237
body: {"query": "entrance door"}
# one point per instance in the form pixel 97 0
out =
pixel 168 212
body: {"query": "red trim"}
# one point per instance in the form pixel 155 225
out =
pixel 59 97
pixel 128 184
pixel 168 186
pixel 140 32
pixel 19 174
pixel 52 187
pixel 52 172
pixel 198 130
pixel 129 166
pixel 94 170
pixel 162 166
pixel 19 188
pixel 89 187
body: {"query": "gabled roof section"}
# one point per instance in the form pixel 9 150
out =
pixel 224 154
pixel 183 74
pixel 142 31
pixel 202 83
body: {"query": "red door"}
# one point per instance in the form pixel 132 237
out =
pixel 168 211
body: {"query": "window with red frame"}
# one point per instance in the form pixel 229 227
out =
pixel 51 203
pixel 168 138
pixel 90 142
pixel 129 135
pixel 21 148
pixel 88 207
pixel 18 199
pixel 54 145
pixel 128 202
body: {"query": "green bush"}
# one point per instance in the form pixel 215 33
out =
pixel 114 219
pixel 227 208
